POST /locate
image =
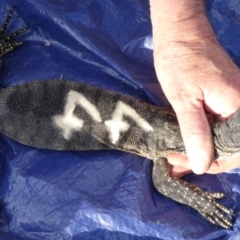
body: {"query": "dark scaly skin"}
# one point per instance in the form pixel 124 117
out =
pixel 6 45
pixel 28 114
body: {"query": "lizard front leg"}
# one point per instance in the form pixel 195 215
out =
pixel 205 203
pixel 6 44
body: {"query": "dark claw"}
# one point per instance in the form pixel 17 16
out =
pixel 17 44
pixel 15 34
pixel 6 22
pixel 205 203
pixel 5 41
pixel 216 195
pixel 218 221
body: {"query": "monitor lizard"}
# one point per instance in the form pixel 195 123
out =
pixel 70 116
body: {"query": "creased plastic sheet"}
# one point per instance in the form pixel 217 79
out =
pixel 98 195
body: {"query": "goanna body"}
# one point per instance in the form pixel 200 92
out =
pixel 62 115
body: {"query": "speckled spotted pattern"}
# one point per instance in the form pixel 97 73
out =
pixel 5 41
pixel 28 114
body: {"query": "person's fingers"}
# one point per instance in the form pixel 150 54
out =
pixel 179 171
pixel 224 165
pixel 177 159
pixel 180 165
pixel 197 137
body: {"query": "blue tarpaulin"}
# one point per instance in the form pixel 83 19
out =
pixel 99 195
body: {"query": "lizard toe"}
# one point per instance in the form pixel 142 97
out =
pixel 224 222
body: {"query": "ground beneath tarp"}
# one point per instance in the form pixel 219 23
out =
pixel 98 195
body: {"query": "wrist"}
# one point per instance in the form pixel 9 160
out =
pixel 177 22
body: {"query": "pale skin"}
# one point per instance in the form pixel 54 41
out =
pixel 197 76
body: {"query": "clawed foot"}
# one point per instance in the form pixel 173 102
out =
pixel 5 41
pixel 205 203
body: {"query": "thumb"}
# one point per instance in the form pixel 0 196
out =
pixel 196 136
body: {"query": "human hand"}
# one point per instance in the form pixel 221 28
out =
pixel 181 165
pixel 196 75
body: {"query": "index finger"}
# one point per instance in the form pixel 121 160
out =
pixel 197 138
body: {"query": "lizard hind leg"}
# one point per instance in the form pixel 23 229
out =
pixel 189 194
